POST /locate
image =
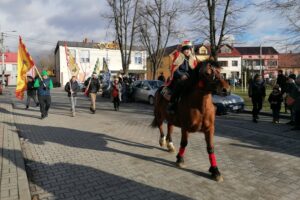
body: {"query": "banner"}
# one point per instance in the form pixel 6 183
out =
pixel 71 62
pixel 97 67
pixel 106 73
pixel 25 63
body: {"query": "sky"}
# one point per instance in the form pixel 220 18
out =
pixel 42 23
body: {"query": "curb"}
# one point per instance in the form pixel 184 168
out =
pixel 282 116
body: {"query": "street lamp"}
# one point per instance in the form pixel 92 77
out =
pixel 3 54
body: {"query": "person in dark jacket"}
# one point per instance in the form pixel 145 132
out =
pixel 295 95
pixel 257 93
pixel 161 77
pixel 44 86
pixel 281 81
pixel 93 85
pixel 184 63
pixel 72 93
pixel 290 87
pixel 31 92
pixel 275 99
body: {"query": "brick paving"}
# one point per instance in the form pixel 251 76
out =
pixel 13 179
pixel 115 155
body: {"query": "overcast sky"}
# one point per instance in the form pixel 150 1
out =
pixel 42 23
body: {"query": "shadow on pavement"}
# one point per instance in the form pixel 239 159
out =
pixel 65 180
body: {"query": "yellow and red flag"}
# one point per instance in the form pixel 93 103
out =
pixel 25 63
pixel 71 62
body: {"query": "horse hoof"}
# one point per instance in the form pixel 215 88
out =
pixel 171 147
pixel 162 141
pixel 215 174
pixel 180 162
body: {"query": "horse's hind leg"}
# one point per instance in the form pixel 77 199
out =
pixel 170 145
pixel 209 138
pixel 183 144
pixel 162 139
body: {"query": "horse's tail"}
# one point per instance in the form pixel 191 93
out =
pixel 154 123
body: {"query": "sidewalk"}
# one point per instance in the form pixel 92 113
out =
pixel 13 178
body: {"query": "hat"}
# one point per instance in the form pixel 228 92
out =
pixel 292 76
pixel 186 45
pixel 44 73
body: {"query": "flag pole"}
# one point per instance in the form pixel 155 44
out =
pixel 70 85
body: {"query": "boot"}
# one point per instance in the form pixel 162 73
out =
pixel 26 107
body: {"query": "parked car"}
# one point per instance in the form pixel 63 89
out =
pixel 81 87
pixel 145 90
pixel 228 103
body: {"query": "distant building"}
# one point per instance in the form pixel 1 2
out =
pixel 255 59
pixel 289 63
pixel 10 67
pixel 86 55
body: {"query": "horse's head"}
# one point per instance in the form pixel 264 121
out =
pixel 210 73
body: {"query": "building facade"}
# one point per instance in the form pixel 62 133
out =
pixel 86 55
pixel 257 60
pixel 228 56
pixel 10 68
pixel 289 63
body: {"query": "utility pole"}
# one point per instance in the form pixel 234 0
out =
pixel 3 56
pixel 260 55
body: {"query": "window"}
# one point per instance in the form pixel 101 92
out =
pixel 272 63
pixel 223 63
pixel 225 49
pixel 14 68
pixel 84 56
pixel 138 58
pixel 234 63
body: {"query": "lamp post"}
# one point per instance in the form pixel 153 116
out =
pixel 3 55
pixel 260 60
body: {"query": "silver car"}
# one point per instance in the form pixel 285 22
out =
pixel 145 90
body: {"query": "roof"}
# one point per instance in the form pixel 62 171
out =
pixel 90 45
pixel 256 50
pixel 289 60
pixel 10 57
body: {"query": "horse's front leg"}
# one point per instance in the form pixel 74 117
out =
pixel 170 145
pixel 183 144
pixel 209 138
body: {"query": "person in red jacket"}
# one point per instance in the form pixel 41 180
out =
pixel 184 61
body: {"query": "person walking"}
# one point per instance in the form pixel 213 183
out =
pixel 116 93
pixel 72 93
pixel 275 99
pixel 44 86
pixel 31 92
pixel 257 93
pixel 93 85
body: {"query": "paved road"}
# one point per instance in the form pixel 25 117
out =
pixel 115 155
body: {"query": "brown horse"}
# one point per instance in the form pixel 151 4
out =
pixel 195 112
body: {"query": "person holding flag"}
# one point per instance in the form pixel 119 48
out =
pixel 93 86
pixel 44 85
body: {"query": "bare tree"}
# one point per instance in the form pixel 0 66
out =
pixel 124 17
pixel 290 9
pixel 156 26
pixel 218 20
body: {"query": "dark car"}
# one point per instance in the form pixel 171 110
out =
pixel 228 103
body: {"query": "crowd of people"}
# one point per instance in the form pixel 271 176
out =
pixel 285 92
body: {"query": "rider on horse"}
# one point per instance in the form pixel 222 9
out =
pixel 184 61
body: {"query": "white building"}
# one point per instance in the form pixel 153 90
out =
pixel 231 61
pixel 86 55
pixel 10 68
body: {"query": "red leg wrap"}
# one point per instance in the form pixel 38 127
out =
pixel 181 151
pixel 212 159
